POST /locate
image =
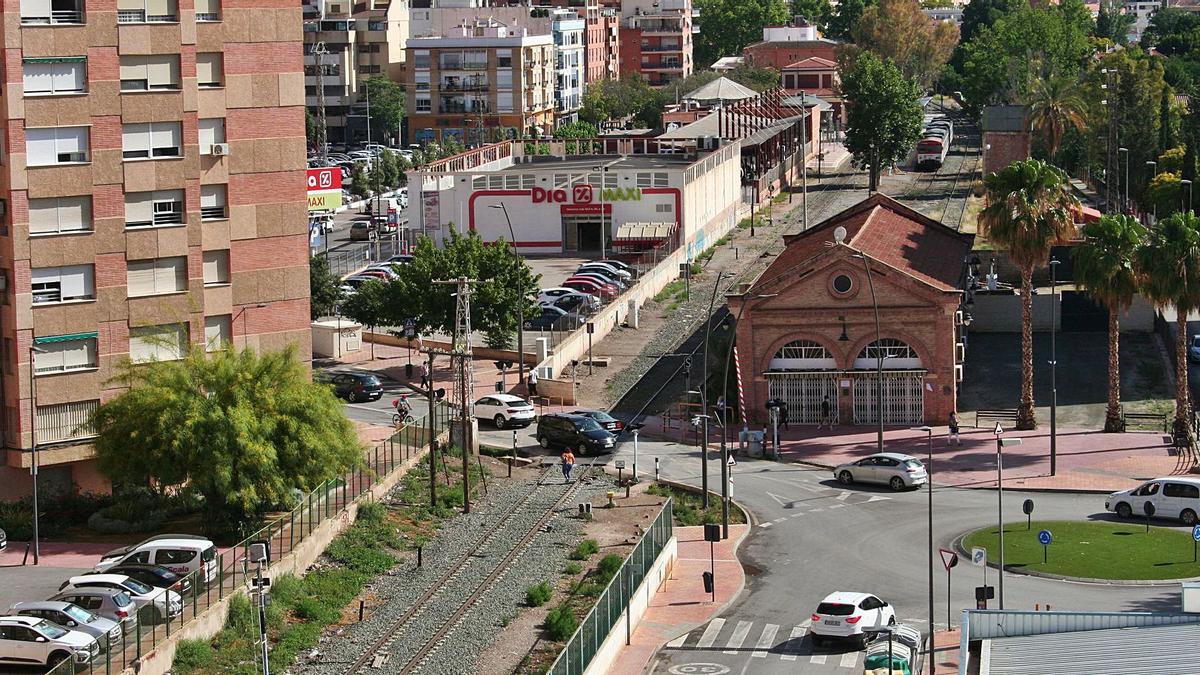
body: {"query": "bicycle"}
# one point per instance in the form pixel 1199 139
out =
pixel 403 414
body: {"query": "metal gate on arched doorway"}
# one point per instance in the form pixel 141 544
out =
pixel 802 373
pixel 903 388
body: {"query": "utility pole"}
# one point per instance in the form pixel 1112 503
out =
pixel 432 438
pixel 1111 170
pixel 804 162
pixel 319 51
pixel 464 374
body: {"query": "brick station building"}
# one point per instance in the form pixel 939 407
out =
pixel 816 336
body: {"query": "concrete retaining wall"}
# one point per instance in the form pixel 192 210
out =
pixel 1002 314
pixel 210 622
pixel 655 577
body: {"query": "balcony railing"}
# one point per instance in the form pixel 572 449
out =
pixel 458 87
pixel 662 48
pixel 450 108
pixel 141 16
pixel 57 16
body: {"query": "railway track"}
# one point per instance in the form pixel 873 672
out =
pixel 451 597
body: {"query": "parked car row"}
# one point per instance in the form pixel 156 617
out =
pixel 92 612
pixel 383 271
pixel 567 306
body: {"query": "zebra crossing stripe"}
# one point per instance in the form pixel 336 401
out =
pixel 849 659
pixel 765 641
pixel 818 659
pixel 765 524
pixel 710 633
pixel 793 642
pixel 738 637
pixel 678 642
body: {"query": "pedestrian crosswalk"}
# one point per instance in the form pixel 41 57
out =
pixel 766 641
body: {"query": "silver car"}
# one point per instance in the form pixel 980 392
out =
pixel 893 469
pixel 110 603
pixel 74 617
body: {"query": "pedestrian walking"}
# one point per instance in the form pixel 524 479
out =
pixel 424 376
pixel 826 414
pixel 532 383
pixel 954 430
pixel 568 463
pixel 783 414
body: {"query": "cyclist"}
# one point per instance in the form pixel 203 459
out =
pixel 403 411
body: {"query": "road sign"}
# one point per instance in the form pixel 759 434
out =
pixel 949 558
pixel 1196 533
pixel 1027 506
pixel 410 328
pixel 998 430
pixel 1045 538
pixel 620 463
pixel 979 556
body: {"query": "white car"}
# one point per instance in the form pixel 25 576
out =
pixel 845 615
pixel 30 640
pixel 163 603
pixel 505 410
pixel 549 295
pixel 896 470
pixel 1172 497
pixel 611 270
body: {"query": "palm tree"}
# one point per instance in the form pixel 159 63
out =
pixel 1028 209
pixel 1104 264
pixel 1054 104
pixel 1168 269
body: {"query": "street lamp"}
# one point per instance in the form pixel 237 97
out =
pixel 1054 262
pixel 521 301
pixel 839 239
pixel 1001 443
pixel 33 464
pixel 724 421
pixel 929 490
pixel 603 171
pixel 704 386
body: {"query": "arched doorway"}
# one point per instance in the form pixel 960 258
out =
pixel 903 384
pixel 802 373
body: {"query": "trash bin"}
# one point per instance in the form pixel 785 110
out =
pixel 408 371
pixel 754 442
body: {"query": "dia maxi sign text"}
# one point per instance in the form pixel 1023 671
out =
pixel 324 188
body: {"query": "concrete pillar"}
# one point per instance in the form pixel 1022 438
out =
pixel 632 316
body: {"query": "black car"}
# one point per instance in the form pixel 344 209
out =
pixel 607 421
pixel 582 434
pixel 570 303
pixel 551 318
pixel 152 575
pixel 352 386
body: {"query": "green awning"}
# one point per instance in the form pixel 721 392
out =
pixel 65 338
pixel 56 59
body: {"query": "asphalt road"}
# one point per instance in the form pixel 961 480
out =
pixel 816 537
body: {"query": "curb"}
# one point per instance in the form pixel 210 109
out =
pixel 1150 583
pixel 1046 490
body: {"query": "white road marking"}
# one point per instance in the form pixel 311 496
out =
pixel 814 510
pixel 738 637
pixel 793 640
pixel 765 641
pixel 678 642
pixel 836 506
pixel 849 659
pixel 818 659
pixel 710 633
pixel 843 496
pixel 877 498
pixel 796 515
pixel 779 500
pixel 765 524
pixel 780 519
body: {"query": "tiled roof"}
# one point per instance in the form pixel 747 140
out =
pixel 886 231
pixel 812 63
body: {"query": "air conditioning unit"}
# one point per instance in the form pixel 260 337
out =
pixel 219 149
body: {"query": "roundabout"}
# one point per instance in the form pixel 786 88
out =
pixel 1100 550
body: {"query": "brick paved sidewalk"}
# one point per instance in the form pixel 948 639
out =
pixel 681 604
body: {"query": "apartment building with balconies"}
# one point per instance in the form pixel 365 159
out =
pixel 656 39
pixel 151 198
pixel 479 81
pixel 345 42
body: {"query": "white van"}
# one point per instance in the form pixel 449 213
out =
pixel 1174 497
pixel 180 553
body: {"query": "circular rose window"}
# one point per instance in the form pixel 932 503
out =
pixel 842 283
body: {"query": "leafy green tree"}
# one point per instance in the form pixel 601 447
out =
pixel 816 12
pixel 1029 205
pixel 727 26
pixel 324 288
pixel 578 129
pixel 387 105
pixel 243 429
pixel 360 184
pixel 369 306
pixel 1172 31
pixel 754 77
pixel 985 13
pixel 1056 103
pixel 1164 193
pixel 845 17
pixel 630 96
pixel 502 280
pixel 1168 268
pixel 389 169
pixel 310 126
pixel 883 115
pixel 1167 121
pixel 900 31
pixel 1113 24
pixel 1104 265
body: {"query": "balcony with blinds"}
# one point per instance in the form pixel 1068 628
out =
pixel 147 11
pixel 208 11
pixel 51 12
pixel 65 422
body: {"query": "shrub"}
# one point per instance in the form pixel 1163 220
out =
pixel 16 518
pixel 589 589
pixel 572 568
pixel 191 655
pixel 538 595
pixel 585 550
pixel 311 609
pixel 372 512
pixel 561 623
pixel 608 567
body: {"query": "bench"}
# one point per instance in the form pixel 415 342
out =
pixel 1004 415
pixel 1154 420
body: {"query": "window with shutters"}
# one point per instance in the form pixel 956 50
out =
pixel 216 268
pixel 48 146
pixel 208 10
pixel 65 421
pixel 158 276
pixel 63 284
pixel 218 332
pixel 64 353
pixel 210 70
pixel 154 209
pixel 212 131
pixel 147 11
pixel 158 343
pixel 152 72
pixel 152 140
pixel 55 76
pixel 214 202
pixel 60 215
pixel 51 11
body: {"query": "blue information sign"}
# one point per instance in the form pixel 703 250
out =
pixel 1045 537
pixel 1196 533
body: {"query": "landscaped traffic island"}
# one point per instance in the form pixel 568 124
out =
pixel 1092 550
